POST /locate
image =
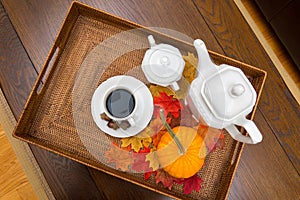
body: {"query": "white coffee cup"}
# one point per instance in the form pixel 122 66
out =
pixel 120 104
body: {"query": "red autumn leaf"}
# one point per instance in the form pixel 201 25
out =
pixel 166 179
pixel 139 161
pixel 156 114
pixel 190 184
pixel 147 175
pixel 220 142
pixel 186 117
pixel 168 103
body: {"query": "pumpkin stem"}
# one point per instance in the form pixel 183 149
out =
pixel 171 132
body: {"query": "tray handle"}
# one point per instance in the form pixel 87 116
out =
pixel 48 66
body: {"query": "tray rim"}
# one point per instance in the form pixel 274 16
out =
pixel 59 43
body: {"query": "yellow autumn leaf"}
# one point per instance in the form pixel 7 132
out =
pixel 191 59
pixel 190 67
pixel 184 85
pixel 147 141
pixel 189 74
pixel 153 160
pixel 156 89
pixel 137 142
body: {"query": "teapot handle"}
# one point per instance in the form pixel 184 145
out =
pixel 254 134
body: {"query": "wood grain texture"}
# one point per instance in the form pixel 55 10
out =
pixel 288 70
pixel 277 104
pixel 38 22
pixel 264 171
pixel 222 27
pixel 69 179
pixel 116 189
pixel 17 76
pixel 14 183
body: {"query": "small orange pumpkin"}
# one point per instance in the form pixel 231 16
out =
pixel 184 161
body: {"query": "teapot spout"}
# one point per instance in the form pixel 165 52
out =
pixel 205 64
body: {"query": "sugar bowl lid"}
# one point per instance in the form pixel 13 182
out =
pixel 228 93
pixel 162 64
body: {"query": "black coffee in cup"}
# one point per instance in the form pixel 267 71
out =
pixel 120 103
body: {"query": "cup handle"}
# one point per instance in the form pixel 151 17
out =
pixel 174 86
pixel 131 121
pixel 254 134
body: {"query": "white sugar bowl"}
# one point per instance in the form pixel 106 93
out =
pixel 163 64
pixel 222 97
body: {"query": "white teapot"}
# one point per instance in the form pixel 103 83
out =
pixel 222 97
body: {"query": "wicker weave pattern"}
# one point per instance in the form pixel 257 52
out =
pixel 60 116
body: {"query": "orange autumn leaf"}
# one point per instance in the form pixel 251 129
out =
pixel 156 138
pixel 121 158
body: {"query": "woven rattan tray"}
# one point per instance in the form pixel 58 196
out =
pixel 57 115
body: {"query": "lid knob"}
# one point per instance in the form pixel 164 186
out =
pixel 165 60
pixel 237 90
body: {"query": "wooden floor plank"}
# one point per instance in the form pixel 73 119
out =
pixel 273 46
pixel 14 183
pixel 17 76
pixel 264 171
pixel 237 40
pixel 115 188
pixel 38 23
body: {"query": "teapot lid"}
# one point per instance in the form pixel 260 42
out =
pixel 228 93
pixel 163 64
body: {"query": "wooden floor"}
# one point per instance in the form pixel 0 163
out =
pixel 276 51
pixel 14 184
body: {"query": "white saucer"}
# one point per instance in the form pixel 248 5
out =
pixel 142 115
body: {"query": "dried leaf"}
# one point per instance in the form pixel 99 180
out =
pixel 147 141
pixel 190 184
pixel 156 138
pixel 156 90
pixel 156 125
pixel 213 138
pixel 166 179
pixel 184 85
pixel 186 117
pixel 190 68
pixel 191 59
pixel 179 94
pixel 147 175
pixel 120 157
pixel 168 103
pixel 136 142
pixel 153 160
pixel 140 163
